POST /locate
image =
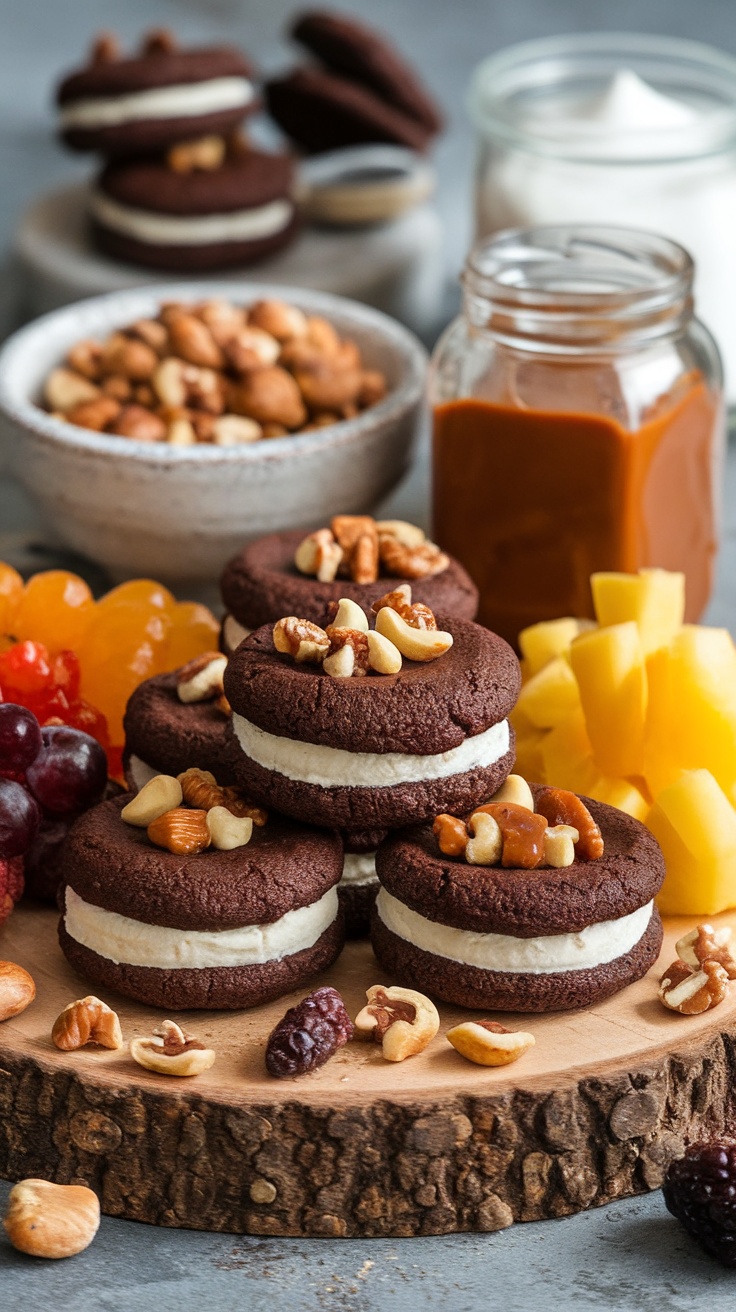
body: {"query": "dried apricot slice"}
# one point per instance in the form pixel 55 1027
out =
pixel 523 833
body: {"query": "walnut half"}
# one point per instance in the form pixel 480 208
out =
pixel 169 1051
pixel 401 1020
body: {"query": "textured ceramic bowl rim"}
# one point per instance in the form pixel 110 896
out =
pixel 97 315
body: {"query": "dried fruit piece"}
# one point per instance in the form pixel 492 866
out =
pixel 88 1020
pixel 309 1034
pixel 51 1220
pixel 700 1190
pixel 487 1043
pixel 401 1020
pixel 169 1051
pixel 561 807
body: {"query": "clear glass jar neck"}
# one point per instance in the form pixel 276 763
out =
pixel 578 289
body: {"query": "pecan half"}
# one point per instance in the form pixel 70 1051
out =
pixel 300 639
pixel 704 943
pixel 411 562
pixel 200 680
pixel 181 831
pixel 693 992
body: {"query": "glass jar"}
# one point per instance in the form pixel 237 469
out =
pixel 616 128
pixel 578 422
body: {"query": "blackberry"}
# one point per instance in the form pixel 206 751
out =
pixel 700 1190
pixel 309 1034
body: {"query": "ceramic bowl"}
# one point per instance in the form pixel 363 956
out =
pixel 177 514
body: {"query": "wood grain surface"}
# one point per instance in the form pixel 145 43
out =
pixel 362 1147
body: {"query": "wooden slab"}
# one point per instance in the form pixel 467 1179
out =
pixel 363 1147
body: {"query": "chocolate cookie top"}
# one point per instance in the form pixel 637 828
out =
pixel 155 68
pixel 114 865
pixel 426 709
pixel 320 111
pixel 358 52
pixel 525 903
pixel 172 735
pixel 262 583
pixel 242 181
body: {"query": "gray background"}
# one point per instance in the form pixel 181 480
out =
pixel 630 1255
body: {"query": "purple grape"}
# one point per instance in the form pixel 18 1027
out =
pixel 20 737
pixel 70 772
pixel 43 860
pixel 19 819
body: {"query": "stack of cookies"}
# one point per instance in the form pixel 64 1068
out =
pixel 180 188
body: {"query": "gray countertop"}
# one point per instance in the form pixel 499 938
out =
pixel 630 1255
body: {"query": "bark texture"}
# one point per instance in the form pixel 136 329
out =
pixel 385 1169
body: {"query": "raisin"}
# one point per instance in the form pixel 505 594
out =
pixel 700 1190
pixel 309 1034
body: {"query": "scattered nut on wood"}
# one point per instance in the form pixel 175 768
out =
pixel 51 1220
pixel 17 989
pixel 692 992
pixel 403 1021
pixel 487 1043
pixel 169 1051
pixel 88 1020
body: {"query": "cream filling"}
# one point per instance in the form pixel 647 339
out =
pixel 205 229
pixel 358 868
pixel 593 946
pixel 333 767
pixel 133 943
pixel 140 771
pixel 184 100
pixel 233 633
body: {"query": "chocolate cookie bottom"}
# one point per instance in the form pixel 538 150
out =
pixel 207 255
pixel 492 990
pixel 357 902
pixel 221 988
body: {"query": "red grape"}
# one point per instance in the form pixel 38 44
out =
pixel 19 819
pixel 20 737
pixel 70 772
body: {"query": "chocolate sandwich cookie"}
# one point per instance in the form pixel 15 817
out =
pixel 375 751
pixel 360 54
pixel 262 583
pixel 146 212
pixel 359 884
pixel 492 937
pixel 164 735
pixel 320 111
pixel 216 930
pixel 139 105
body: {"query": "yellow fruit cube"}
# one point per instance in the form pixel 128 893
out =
pixel 567 759
pixel 695 825
pixel 550 696
pixel 541 643
pixel 529 761
pixel 622 793
pixel 691 716
pixel 654 599
pixel 609 667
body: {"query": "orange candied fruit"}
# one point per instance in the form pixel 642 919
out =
pixel 11 591
pixel 56 608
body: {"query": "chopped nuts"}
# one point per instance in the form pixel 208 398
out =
pixel 17 989
pixel 485 848
pixel 228 831
pixel 414 644
pixel 516 790
pixel 692 992
pixel 169 1051
pixel 182 831
pixel 451 834
pixel 416 562
pixel 397 599
pixel 561 807
pixel 559 846
pixel 305 641
pixel 51 1220
pixel 350 615
pixel 270 368
pixel 365 544
pixel 383 656
pixel 319 554
pixel 489 1044
pixel 201 679
pixel 88 1020
pixel 704 943
pixel 348 654
pixel 159 795
pixel 401 1020
pixel 409 535
pixel 200 789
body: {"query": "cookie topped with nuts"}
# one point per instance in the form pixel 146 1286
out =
pixel 165 902
pixel 142 102
pixel 521 935
pixel 304 574
pixel 377 751
pixel 174 719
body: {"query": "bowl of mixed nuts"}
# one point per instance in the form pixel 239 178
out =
pixel 158 429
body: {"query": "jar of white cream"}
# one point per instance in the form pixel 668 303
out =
pixel 616 129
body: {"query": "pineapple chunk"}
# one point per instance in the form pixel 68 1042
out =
pixel 541 643
pixel 609 667
pixel 550 696
pixel 695 825
pixel 529 754
pixel 654 599
pixel 691 717
pixel 567 760
pixel 622 793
